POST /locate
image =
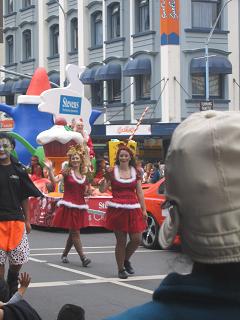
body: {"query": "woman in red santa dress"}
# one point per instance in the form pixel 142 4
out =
pixel 72 213
pixel 126 213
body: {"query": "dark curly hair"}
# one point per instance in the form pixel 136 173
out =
pixel 4 135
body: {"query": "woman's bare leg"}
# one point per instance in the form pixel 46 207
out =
pixel 75 236
pixel 133 244
pixel 120 249
pixel 68 245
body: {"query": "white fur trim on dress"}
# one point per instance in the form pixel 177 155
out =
pixel 72 205
pixel 117 175
pixel 79 181
pixel 123 205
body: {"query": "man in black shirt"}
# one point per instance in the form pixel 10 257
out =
pixel 15 188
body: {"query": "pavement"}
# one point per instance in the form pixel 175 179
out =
pixel 96 288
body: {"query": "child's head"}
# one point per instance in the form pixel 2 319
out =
pixel 71 312
pixel 4 291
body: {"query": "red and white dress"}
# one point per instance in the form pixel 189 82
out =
pixel 124 211
pixel 72 209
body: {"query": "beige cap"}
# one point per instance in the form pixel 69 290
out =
pixel 203 180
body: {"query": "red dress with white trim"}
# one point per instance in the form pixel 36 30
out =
pixel 72 209
pixel 124 211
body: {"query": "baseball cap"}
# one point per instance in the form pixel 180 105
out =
pixel 203 185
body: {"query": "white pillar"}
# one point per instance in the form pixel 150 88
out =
pixel 233 11
pixel 43 34
pixel 62 40
pixel 132 31
pixel 171 97
pixel 104 24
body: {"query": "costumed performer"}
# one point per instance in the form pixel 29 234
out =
pixel 72 213
pixel 126 212
pixel 15 189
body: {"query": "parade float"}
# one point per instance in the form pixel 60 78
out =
pixel 65 104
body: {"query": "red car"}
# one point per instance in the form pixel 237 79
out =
pixel 154 198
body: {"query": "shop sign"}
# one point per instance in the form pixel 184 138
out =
pixel 206 105
pixel 169 21
pixel 127 130
pixel 6 124
pixel 70 105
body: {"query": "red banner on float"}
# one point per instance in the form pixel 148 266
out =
pixel 169 21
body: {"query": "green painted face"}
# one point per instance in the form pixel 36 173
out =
pixel 5 148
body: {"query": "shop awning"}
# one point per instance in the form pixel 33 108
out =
pixel 137 67
pixel 6 88
pixel 55 78
pixel 217 65
pixel 20 86
pixel 110 71
pixel 88 76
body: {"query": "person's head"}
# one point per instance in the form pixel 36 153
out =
pixel 101 165
pixel 7 144
pixel 148 167
pixel 79 125
pixel 34 160
pixel 125 154
pixel 4 291
pixel 78 158
pixel 202 187
pixel 71 312
pixel 139 163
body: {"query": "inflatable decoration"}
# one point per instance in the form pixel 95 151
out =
pixel 30 118
pixel 69 102
pixel 28 121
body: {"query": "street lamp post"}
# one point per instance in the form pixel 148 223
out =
pixel 206 49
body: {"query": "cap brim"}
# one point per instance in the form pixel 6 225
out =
pixel 168 231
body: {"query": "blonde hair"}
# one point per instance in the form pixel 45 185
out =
pixel 83 152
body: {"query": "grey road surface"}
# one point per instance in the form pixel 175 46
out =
pixel 96 288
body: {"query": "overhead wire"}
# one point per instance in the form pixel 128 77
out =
pixel 128 105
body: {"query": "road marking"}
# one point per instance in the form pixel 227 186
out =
pixel 37 260
pixel 40 249
pixel 95 279
pixel 87 252
pixel 99 280
pixel 74 271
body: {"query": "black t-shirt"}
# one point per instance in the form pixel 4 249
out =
pixel 11 195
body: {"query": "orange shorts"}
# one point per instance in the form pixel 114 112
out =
pixel 11 233
pixel 14 243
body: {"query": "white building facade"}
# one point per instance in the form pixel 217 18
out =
pixel 137 53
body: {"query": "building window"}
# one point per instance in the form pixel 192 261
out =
pixel 26 3
pixel 9 6
pixel 54 38
pixel 74 34
pixel 97 35
pixel 97 93
pixel 143 15
pixel 27 45
pixel 114 20
pixel 114 90
pixel 204 13
pixel 216 86
pixel 9 50
pixel 143 90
